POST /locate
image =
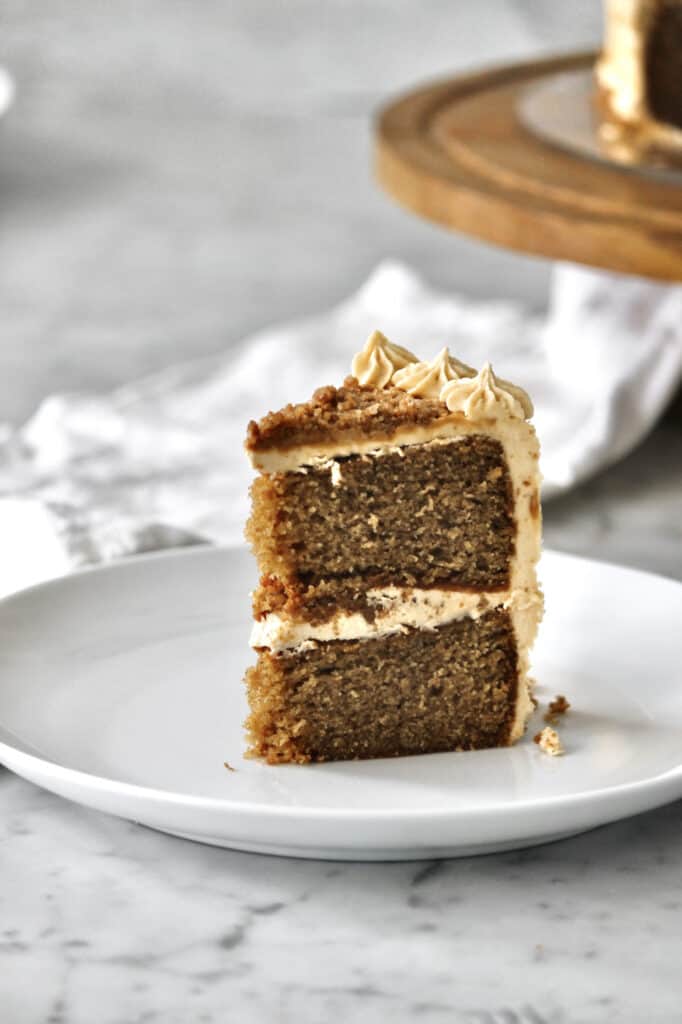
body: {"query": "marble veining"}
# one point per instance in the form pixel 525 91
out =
pixel 117 924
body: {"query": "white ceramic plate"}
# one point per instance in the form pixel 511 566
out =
pixel 121 688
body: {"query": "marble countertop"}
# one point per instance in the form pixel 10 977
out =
pixel 132 166
pixel 109 922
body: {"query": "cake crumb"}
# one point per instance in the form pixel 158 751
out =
pixel 229 767
pixel 558 706
pixel 548 741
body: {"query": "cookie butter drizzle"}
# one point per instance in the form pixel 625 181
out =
pixel 476 402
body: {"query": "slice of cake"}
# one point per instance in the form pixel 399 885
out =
pixel 396 524
pixel 639 72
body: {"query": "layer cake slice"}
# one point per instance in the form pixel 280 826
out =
pixel 396 525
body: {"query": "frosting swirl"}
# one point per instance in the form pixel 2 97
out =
pixel 427 380
pixel 477 395
pixel 522 396
pixel 378 361
pixel 484 395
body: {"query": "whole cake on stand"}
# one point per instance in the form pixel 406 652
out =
pixel 639 72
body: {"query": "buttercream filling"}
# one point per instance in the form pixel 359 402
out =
pixel 399 610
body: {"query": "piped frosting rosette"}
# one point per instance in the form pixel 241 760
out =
pixel 376 363
pixel 458 386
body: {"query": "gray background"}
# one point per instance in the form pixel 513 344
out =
pixel 173 174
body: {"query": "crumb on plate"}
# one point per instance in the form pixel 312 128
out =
pixel 548 741
pixel 558 706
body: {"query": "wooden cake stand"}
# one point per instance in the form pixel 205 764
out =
pixel 457 153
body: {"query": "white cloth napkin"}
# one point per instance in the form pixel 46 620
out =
pixel 160 463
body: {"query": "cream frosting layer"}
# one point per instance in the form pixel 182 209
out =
pixel 397 610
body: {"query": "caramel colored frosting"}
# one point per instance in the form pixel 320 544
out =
pixel 378 361
pixel 427 380
pixel 477 395
pixel 484 395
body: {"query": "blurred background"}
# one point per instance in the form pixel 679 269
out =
pixel 174 175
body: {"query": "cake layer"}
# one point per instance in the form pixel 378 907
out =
pixel 417 692
pixel 456 523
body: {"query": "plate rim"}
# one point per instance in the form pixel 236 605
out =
pixel 14 757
